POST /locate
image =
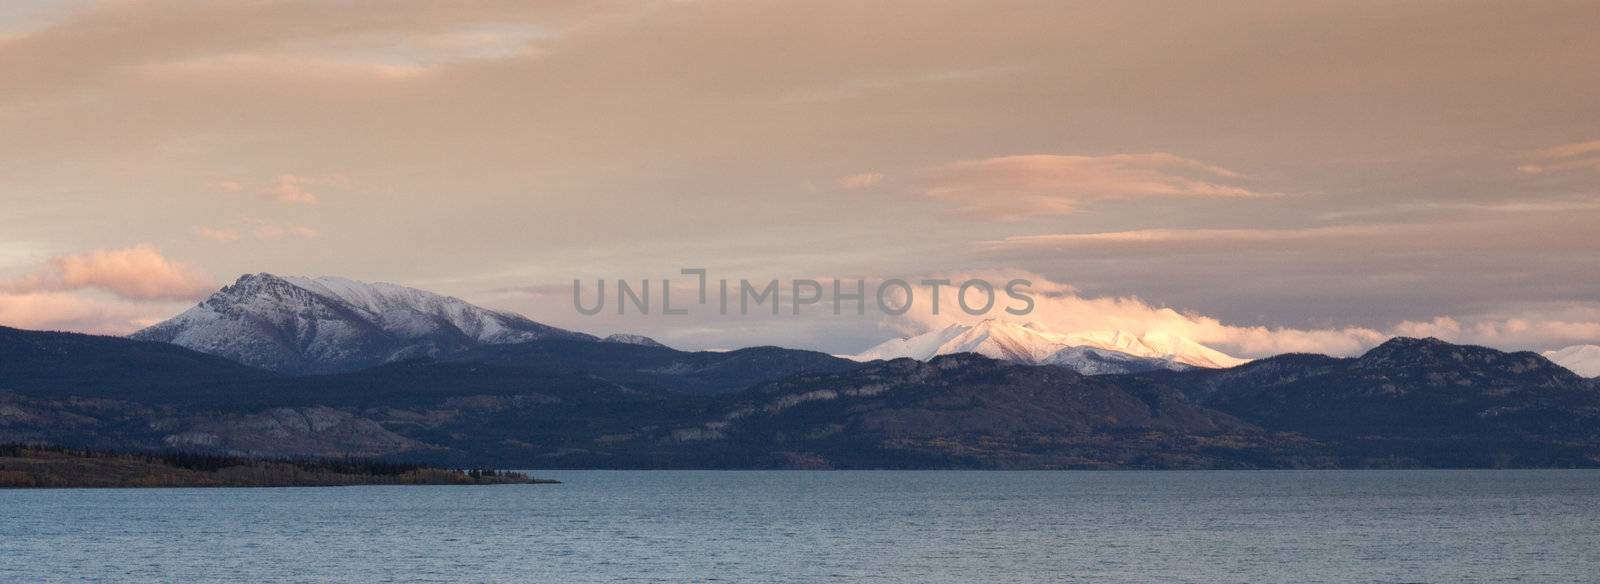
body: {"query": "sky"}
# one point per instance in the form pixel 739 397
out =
pixel 1262 177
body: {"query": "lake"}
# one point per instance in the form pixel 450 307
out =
pixel 795 526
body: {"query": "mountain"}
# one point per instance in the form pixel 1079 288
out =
pixel 583 404
pixel 1581 359
pixel 1031 343
pixel 117 393
pixel 551 404
pixel 310 325
pixel 970 411
pixel 70 364
pixel 1416 402
pixel 1406 403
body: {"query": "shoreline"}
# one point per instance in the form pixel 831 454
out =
pixel 52 467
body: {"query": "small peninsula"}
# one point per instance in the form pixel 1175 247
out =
pixel 40 466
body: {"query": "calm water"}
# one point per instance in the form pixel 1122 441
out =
pixel 1361 526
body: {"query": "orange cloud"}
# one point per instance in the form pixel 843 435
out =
pixel 136 273
pixel 1018 186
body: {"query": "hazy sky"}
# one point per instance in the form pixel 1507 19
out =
pixel 1282 176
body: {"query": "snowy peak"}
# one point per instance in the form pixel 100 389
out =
pixel 626 339
pixel 301 325
pixel 1187 351
pixel 1030 343
pixel 411 313
pixel 1581 359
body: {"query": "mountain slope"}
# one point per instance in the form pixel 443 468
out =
pixel 309 325
pixel 1415 402
pixel 1088 353
pixel 1581 359
pixel 627 339
pixel 40 363
pixel 643 365
pixel 109 392
pixel 969 411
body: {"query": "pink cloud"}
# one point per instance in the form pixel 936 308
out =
pixel 861 181
pixel 276 231
pixel 1188 238
pixel 1011 187
pixel 62 310
pixel 218 235
pixel 1569 150
pixel 1579 164
pixel 136 273
pixel 291 189
pixel 1574 156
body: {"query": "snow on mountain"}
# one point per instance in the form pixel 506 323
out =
pixel 1090 353
pixel 1581 359
pixel 301 325
pixel 627 339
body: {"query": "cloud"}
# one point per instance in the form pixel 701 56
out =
pixel 1569 150
pixel 135 273
pixel 408 33
pixel 217 235
pixel 1061 308
pixel 262 230
pixel 56 310
pixel 1470 263
pixel 290 189
pixel 1578 164
pixel 1538 328
pixel 1010 187
pixel 107 291
pixel 860 181
pixel 276 231
pixel 1574 156
pixel 1510 205
pixel 1182 237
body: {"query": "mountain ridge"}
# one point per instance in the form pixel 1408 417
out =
pixel 1407 403
pixel 1093 353
pixel 312 325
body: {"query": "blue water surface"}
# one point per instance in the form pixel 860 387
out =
pixel 796 526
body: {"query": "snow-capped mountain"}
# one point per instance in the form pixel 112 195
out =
pixel 302 325
pixel 1091 353
pixel 1581 359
